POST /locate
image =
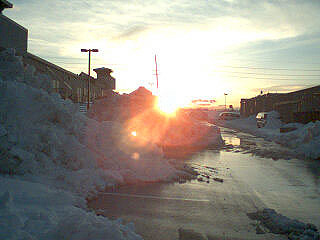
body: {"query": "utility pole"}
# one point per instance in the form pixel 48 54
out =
pixel 225 101
pixel 89 50
pixel 155 59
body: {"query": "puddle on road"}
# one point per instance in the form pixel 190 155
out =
pixel 246 143
pixel 231 140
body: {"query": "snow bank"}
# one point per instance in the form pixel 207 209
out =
pixel 279 224
pixel 305 140
pixel 249 125
pixel 192 133
pixel 34 211
pixel 46 145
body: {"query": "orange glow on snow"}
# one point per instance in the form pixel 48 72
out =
pixel 135 156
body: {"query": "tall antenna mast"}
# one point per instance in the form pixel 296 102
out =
pixel 155 59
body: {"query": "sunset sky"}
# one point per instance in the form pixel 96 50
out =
pixel 204 48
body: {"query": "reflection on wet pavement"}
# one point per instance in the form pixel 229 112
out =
pixel 246 143
pixel 230 140
pixel 219 208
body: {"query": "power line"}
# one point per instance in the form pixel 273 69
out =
pixel 273 74
pixel 275 79
pixel 261 59
pixel 276 69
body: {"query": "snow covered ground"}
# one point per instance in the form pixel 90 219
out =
pixel 304 141
pixel 30 210
pixel 52 158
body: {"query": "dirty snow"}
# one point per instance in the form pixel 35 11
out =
pixel 305 140
pixel 279 224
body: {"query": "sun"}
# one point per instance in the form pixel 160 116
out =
pixel 168 105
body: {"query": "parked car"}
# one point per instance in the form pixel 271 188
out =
pixel 229 115
pixel 261 119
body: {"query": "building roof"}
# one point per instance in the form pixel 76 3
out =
pixel 311 89
pixel 5 4
pixel 103 69
pixel 84 75
pixel 39 59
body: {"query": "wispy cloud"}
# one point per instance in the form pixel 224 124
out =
pixel 131 32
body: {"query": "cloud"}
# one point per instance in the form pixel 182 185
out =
pixel 131 32
pixel 124 19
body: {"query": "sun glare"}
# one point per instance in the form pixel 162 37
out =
pixel 166 108
pixel 169 105
pixel 134 133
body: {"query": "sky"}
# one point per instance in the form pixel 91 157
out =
pixel 204 48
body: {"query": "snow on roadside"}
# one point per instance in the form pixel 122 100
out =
pixel 305 140
pixel 50 152
pixel 35 211
pixel 279 224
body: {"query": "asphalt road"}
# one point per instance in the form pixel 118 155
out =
pixel 219 210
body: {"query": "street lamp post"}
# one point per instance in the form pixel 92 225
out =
pixel 225 101
pixel 89 50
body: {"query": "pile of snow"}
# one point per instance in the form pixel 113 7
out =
pixel 46 145
pixel 279 224
pixel 34 211
pixel 250 125
pixel 192 133
pixel 305 140
pixel 43 135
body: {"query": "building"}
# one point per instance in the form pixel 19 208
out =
pixel 104 78
pixel 260 103
pixel 69 85
pixel 64 82
pixel 12 34
pixel 299 106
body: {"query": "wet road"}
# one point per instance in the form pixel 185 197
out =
pixel 218 210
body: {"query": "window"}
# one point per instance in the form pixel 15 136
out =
pixel 79 94
pixel 55 85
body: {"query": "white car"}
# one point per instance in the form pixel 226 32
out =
pixel 229 115
pixel 261 119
